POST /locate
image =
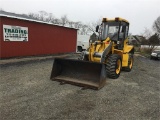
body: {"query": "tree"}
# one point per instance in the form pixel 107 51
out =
pixel 56 21
pixel 64 20
pixel 153 41
pixel 50 18
pixel 42 15
pixel 77 25
pixel 147 33
pixel 93 25
pixel 71 24
pixel 1 9
pixel 156 25
pixel 144 41
pixel 33 16
pixel 84 30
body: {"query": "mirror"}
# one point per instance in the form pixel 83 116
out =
pixel 97 28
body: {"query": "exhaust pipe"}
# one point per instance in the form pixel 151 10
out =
pixel 82 73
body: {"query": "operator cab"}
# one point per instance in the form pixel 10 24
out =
pixel 116 29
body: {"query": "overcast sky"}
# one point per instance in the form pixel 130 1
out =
pixel 140 13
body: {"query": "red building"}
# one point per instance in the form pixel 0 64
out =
pixel 26 37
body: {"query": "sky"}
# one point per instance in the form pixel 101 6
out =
pixel 140 13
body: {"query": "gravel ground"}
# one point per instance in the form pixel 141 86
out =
pixel 27 93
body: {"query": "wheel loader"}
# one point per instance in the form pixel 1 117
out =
pixel 106 57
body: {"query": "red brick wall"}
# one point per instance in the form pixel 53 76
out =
pixel 42 39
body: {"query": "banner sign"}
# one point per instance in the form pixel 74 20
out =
pixel 15 33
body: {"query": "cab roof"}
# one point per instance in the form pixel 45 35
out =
pixel 114 19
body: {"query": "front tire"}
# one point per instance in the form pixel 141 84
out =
pixel 113 66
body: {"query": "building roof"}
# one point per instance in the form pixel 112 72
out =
pixel 14 15
pixel 27 18
pixel 136 38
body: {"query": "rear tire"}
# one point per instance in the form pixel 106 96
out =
pixel 113 66
pixel 130 64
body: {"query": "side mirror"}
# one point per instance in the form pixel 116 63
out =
pixel 97 28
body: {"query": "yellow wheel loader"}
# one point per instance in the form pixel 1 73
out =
pixel 107 56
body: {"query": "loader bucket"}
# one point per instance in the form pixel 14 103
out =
pixel 81 73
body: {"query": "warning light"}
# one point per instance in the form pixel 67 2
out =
pixel 104 19
pixel 117 19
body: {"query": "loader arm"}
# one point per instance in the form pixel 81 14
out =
pixel 99 50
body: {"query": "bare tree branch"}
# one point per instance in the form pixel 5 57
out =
pixel 50 17
pixel 156 25
pixel 42 15
pixel 64 20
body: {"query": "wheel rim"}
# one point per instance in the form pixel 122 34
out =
pixel 118 69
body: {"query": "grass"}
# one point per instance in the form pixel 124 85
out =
pixel 145 52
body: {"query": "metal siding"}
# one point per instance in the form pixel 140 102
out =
pixel 42 39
